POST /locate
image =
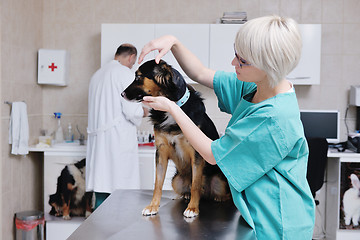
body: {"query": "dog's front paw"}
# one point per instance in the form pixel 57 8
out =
pixel 87 214
pixel 191 212
pixel 150 210
pixel 347 221
pixel 66 217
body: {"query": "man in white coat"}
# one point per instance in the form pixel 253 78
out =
pixel 112 151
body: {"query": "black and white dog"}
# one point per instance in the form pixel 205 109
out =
pixel 70 198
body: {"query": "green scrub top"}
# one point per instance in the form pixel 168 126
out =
pixel 264 155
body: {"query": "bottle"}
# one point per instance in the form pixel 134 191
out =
pixel 138 136
pixel 146 137
pixel 143 137
pixel 59 134
pixel 69 136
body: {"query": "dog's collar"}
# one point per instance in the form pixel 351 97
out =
pixel 184 98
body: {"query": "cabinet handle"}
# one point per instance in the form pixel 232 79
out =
pixel 295 78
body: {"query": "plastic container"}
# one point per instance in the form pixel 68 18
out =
pixel 45 140
pixel 69 136
pixel 29 225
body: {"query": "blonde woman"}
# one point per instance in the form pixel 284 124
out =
pixel 264 152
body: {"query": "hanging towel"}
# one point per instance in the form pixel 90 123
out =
pixel 19 129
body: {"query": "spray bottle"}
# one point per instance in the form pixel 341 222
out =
pixel 59 134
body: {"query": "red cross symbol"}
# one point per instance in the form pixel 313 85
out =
pixel 52 66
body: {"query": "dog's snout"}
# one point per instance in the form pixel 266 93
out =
pixel 123 94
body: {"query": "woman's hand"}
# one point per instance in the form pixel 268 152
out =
pixel 193 134
pixel 158 103
pixel 191 65
pixel 162 44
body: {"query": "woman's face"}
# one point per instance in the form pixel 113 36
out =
pixel 246 72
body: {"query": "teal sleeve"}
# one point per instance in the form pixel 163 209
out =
pixel 229 90
pixel 249 149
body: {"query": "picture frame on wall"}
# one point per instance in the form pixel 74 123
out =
pixel 350 196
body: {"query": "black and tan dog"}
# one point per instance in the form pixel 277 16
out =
pixel 70 198
pixel 195 178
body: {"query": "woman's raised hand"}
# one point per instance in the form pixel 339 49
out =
pixel 162 44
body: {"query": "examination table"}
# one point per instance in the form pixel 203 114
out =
pixel 119 217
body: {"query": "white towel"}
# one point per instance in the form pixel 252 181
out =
pixel 19 129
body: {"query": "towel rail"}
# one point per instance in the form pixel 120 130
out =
pixel 8 102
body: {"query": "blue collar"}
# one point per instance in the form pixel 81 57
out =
pixel 184 98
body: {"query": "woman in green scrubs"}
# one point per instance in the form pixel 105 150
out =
pixel 264 152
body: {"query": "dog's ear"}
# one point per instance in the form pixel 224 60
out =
pixel 163 74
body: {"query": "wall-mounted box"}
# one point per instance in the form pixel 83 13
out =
pixel 53 67
pixel 355 95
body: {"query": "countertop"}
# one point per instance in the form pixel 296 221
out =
pixel 333 153
pixel 58 149
pixel 119 217
pixel 76 148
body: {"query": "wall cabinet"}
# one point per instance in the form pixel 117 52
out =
pixel 222 38
pixel 113 35
pixel 307 71
pixel 194 36
pixel 213 44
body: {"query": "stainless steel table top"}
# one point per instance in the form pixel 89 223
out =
pixel 119 217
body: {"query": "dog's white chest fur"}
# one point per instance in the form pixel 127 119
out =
pixel 79 178
pixel 179 143
pixel 169 120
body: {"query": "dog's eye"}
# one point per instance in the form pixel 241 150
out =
pixel 137 78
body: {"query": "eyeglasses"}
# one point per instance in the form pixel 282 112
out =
pixel 241 61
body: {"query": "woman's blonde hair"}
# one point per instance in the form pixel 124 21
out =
pixel 272 44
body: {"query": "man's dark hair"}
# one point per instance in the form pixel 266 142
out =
pixel 126 49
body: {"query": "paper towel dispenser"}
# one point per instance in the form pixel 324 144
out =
pixel 355 101
pixel 355 95
pixel 53 67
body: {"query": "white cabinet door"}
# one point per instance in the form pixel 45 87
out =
pixel 113 35
pixel 147 169
pixel 194 36
pixel 222 38
pixel 307 71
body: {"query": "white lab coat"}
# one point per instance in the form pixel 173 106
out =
pixel 112 151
